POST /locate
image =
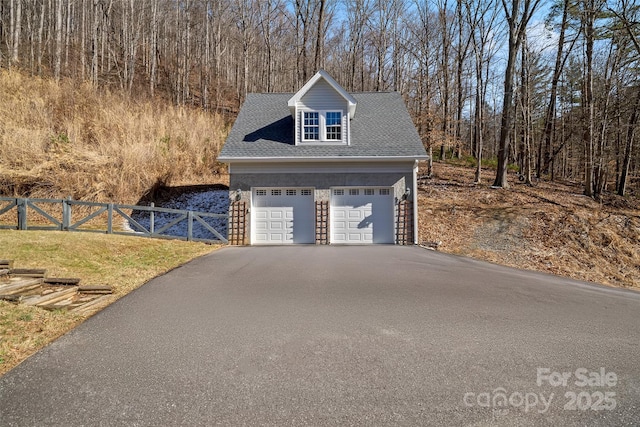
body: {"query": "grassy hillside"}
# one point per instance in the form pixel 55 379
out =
pixel 67 139
pixel 551 227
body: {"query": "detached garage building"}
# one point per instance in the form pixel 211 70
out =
pixel 325 166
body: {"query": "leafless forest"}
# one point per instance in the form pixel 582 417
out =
pixel 552 87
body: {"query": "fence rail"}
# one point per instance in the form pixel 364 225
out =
pixel 63 220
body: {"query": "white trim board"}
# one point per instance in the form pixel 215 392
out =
pixel 405 168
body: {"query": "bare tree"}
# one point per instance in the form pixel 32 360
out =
pixel 446 32
pixel 517 13
pixel 589 10
pixel 58 54
pixel 550 117
pixel 16 25
pixel 627 15
pixel 481 18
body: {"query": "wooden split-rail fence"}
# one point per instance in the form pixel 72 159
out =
pixel 58 214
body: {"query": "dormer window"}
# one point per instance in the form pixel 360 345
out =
pixel 311 126
pixel 322 126
pixel 333 124
pixel 322 111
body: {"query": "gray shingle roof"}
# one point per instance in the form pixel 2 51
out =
pixel 265 129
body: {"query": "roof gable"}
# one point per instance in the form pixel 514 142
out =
pixel 323 75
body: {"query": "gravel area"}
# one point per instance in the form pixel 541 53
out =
pixel 210 201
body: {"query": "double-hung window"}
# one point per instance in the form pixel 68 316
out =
pixel 322 126
pixel 311 126
pixel 333 123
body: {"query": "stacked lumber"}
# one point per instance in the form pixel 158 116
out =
pixel 31 286
pixel 61 281
pixel 90 306
pixel 50 298
pixel 19 286
pixel 5 267
pixel 28 272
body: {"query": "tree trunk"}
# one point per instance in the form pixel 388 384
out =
pixel 58 55
pixel 153 47
pixel 318 61
pixel 550 116
pixel 97 16
pixel 633 120
pixel 589 109
pixel 17 27
pixel 505 125
pixel 517 20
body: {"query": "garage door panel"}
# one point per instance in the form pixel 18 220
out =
pixel 363 215
pixel 283 215
pixel 340 215
pixel 261 237
pixel 276 214
pixel 354 214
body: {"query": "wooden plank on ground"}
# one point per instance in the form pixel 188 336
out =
pixel 65 303
pixel 11 298
pixel 50 298
pixel 95 289
pixel 61 281
pixel 6 263
pixel 91 305
pixel 19 286
pixel 4 271
pixel 28 272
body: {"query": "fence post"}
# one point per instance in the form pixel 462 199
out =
pixel 22 213
pixel 189 225
pixel 152 218
pixel 110 218
pixel 66 213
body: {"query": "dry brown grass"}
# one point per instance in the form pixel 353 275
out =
pixel 551 227
pixel 66 139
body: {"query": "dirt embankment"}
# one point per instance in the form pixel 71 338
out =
pixel 551 227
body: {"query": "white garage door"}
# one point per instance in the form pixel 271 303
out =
pixel 283 215
pixel 362 215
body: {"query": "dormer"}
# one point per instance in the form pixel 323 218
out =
pixel 322 111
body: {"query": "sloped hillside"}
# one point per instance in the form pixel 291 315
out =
pixel 551 227
pixel 68 139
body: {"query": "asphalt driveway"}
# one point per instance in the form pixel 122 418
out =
pixel 370 335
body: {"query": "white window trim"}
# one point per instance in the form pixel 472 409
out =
pixel 303 125
pixel 322 119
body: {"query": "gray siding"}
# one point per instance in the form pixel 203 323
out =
pixel 323 97
pixel 322 182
